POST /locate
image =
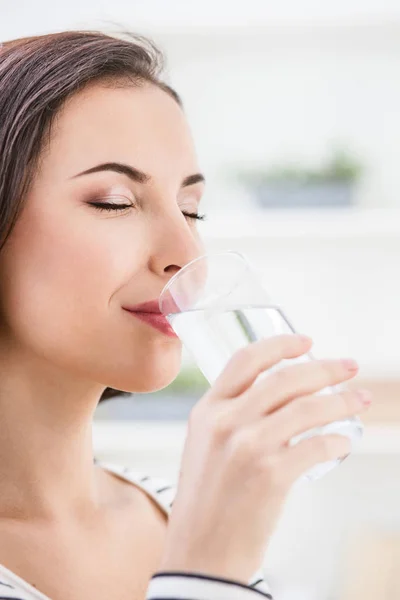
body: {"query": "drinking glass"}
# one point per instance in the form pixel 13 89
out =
pixel 216 305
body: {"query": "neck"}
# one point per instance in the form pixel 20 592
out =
pixel 46 453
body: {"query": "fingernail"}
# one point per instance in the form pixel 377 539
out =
pixel 350 364
pixel 365 396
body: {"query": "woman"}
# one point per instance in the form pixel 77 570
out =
pixel 99 195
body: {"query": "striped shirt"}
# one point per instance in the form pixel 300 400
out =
pixel 163 585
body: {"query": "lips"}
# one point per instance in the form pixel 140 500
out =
pixel 149 312
pixel 152 306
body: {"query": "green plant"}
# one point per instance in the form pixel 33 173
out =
pixel 341 166
pixel 189 379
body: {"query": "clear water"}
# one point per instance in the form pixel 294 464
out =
pixel 212 336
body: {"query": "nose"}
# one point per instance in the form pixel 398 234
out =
pixel 176 242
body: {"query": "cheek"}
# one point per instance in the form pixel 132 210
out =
pixel 62 274
pixel 58 280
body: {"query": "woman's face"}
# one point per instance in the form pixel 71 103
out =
pixel 68 269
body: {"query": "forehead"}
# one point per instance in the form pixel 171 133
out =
pixel 143 126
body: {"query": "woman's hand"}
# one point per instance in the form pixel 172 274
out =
pixel 237 466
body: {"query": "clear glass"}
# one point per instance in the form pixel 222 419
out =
pixel 216 305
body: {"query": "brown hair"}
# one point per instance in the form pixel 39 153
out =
pixel 37 75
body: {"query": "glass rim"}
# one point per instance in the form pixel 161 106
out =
pixel 187 266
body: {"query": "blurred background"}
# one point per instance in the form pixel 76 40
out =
pixel 294 107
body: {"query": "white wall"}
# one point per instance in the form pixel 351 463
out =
pixel 278 93
pixel 26 16
pixel 265 81
pixel 336 274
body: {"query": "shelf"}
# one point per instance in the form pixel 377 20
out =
pixel 144 437
pixel 284 224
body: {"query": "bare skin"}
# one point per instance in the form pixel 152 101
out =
pixel 65 274
pixel 111 553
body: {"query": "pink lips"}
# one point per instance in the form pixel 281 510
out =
pixel 150 313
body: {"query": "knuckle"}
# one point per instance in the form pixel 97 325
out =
pixel 291 342
pixel 245 353
pixel 317 408
pixel 342 446
pixel 276 345
pixel 279 342
pixel 330 447
pixel 197 413
pixel 348 402
pixel 309 406
pixel 282 346
pixel 242 356
pixel 248 451
pixel 280 377
pixel 222 426
pixel 286 341
pixel 322 447
pixel 218 422
pixel 335 370
pixel 330 369
pixel 244 445
pixel 275 476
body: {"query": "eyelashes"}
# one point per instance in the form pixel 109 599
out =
pixel 195 216
pixel 109 206
pixel 112 206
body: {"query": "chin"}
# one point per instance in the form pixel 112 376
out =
pixel 146 376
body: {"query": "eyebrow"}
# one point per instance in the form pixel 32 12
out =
pixel 135 174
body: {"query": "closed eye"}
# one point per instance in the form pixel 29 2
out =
pixel 110 206
pixel 194 216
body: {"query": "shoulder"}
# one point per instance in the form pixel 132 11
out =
pixel 160 489
pixel 163 492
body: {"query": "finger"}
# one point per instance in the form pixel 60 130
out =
pixel 287 383
pixel 297 460
pixel 307 412
pixel 248 362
